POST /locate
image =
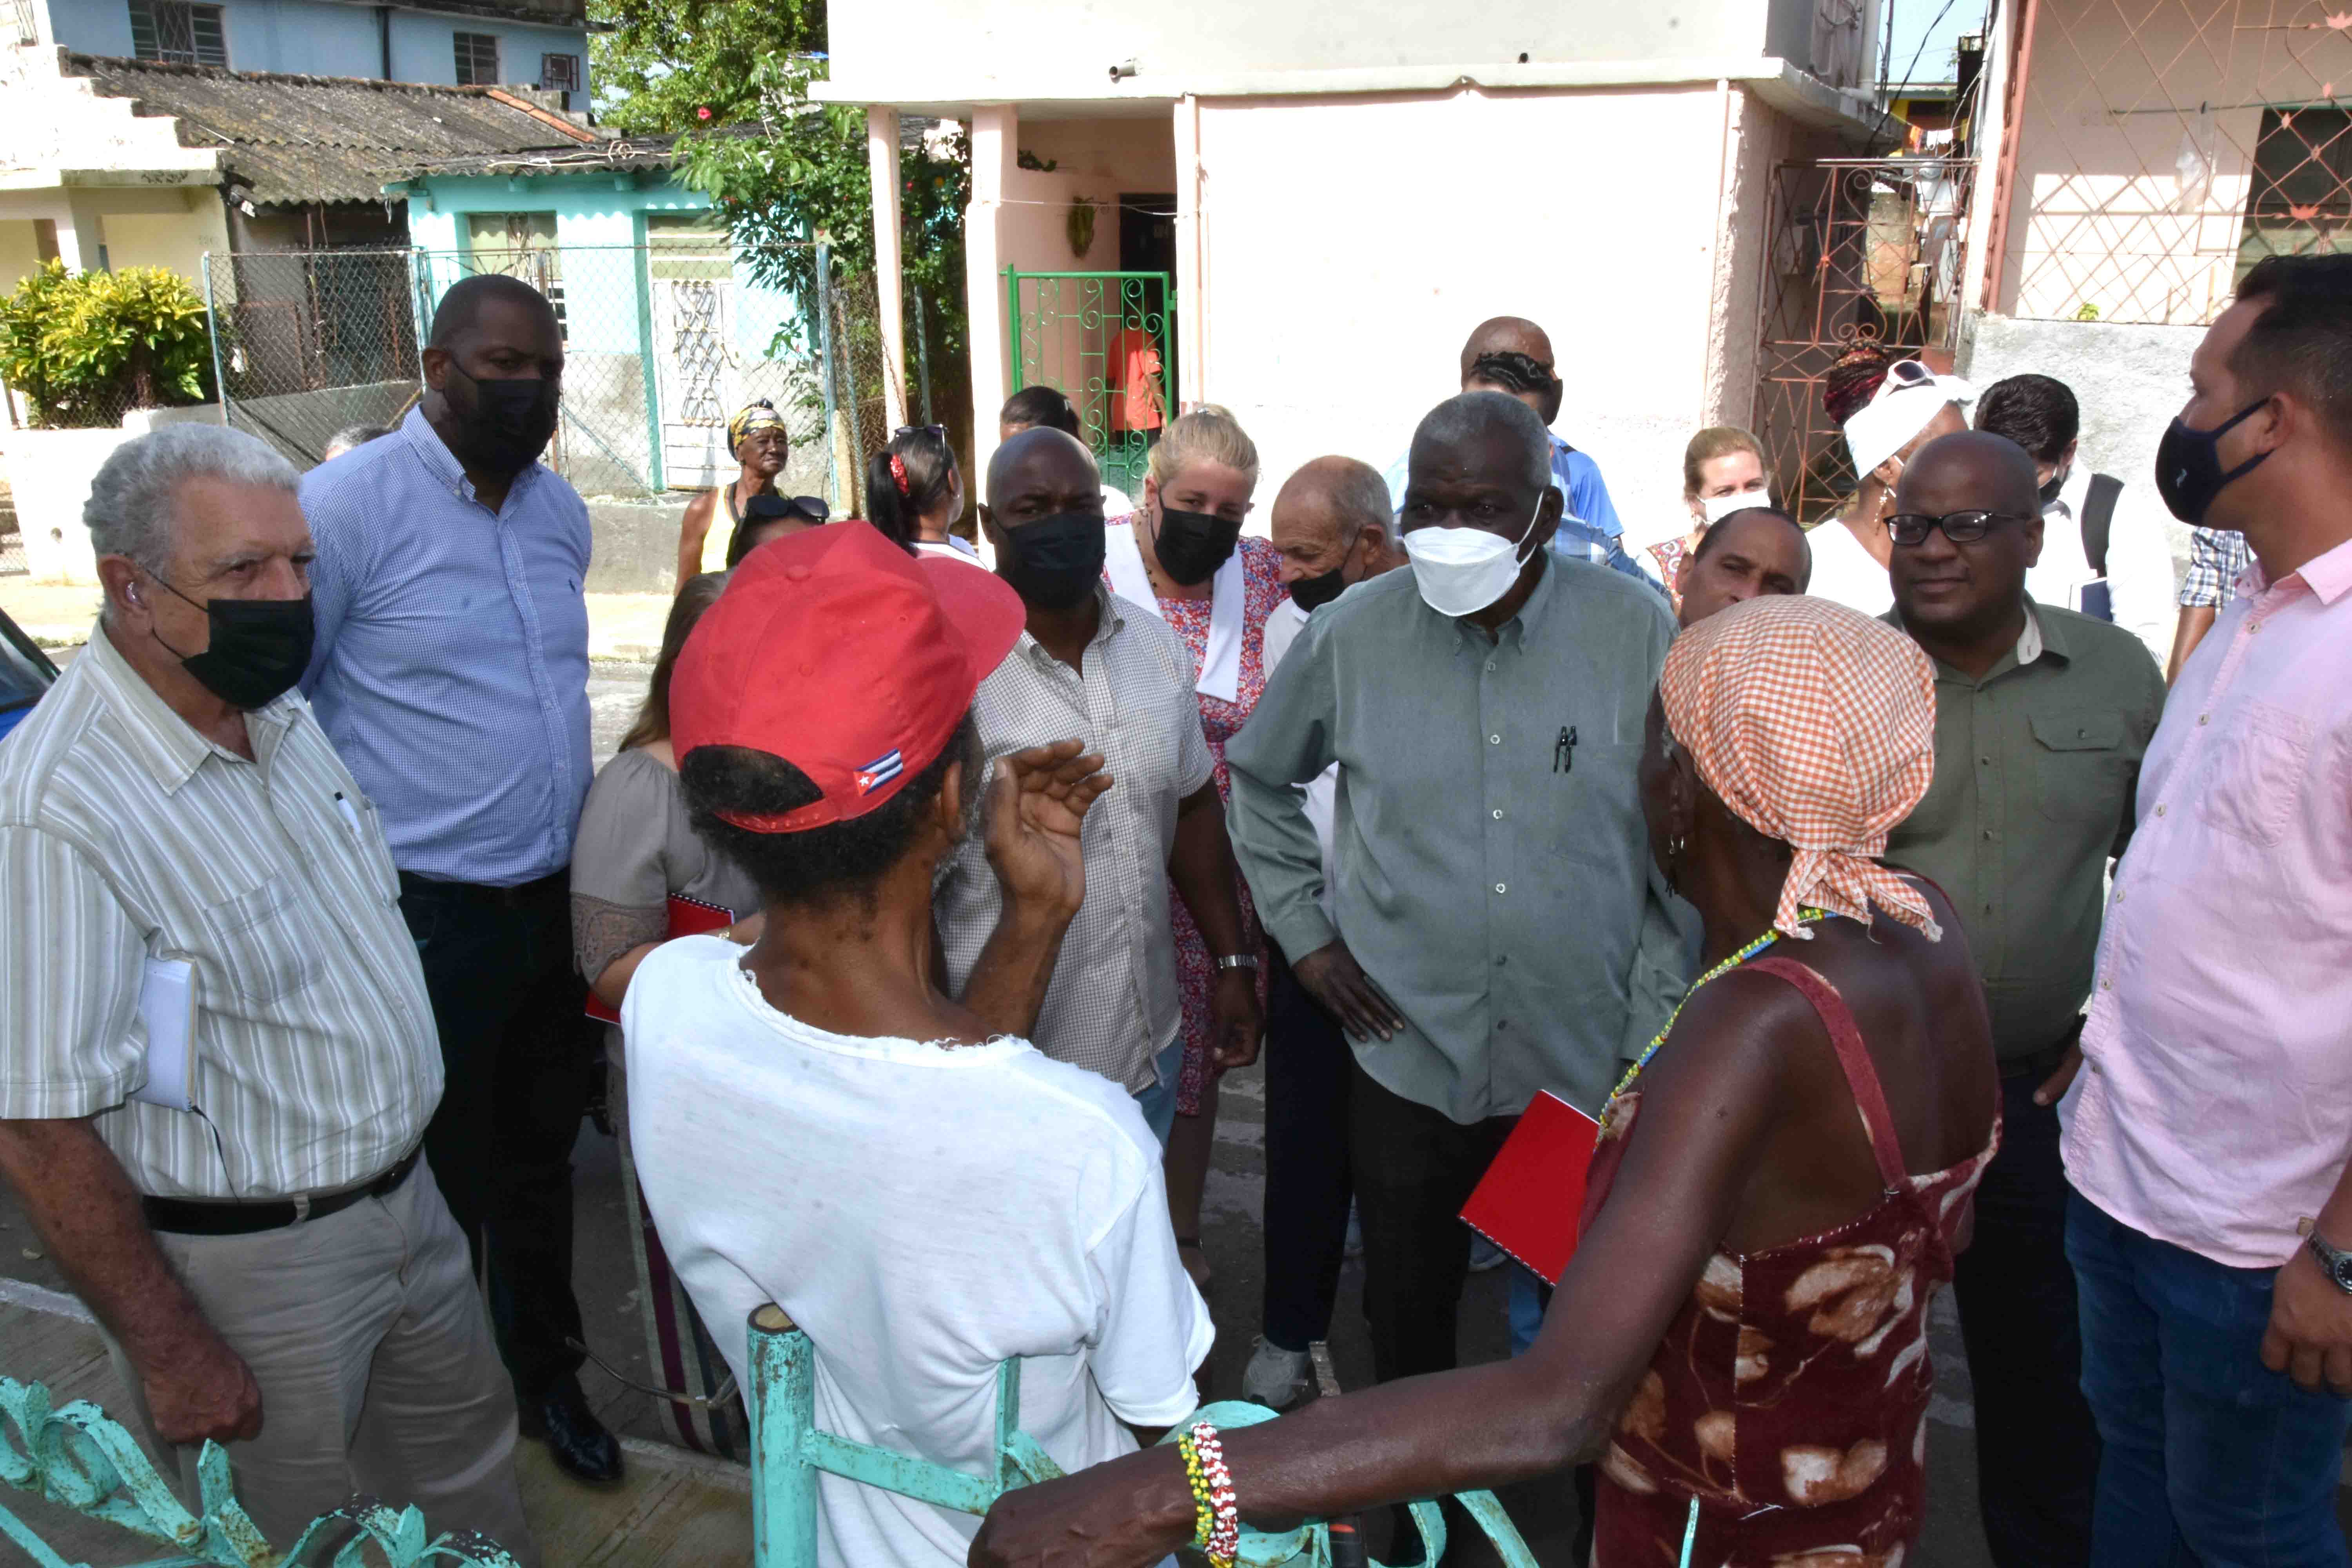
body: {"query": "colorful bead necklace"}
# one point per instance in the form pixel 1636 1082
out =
pixel 1805 916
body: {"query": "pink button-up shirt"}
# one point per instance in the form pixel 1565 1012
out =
pixel 2215 1106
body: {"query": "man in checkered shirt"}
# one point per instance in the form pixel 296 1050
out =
pixel 1091 664
pixel 2217 559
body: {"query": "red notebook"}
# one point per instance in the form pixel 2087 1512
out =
pixel 1531 1199
pixel 688 917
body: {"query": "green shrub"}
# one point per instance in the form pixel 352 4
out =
pixel 86 348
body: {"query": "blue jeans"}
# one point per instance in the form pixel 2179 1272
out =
pixel 2209 1459
pixel 1157 1100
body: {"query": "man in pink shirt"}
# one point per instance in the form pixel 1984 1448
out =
pixel 2208 1140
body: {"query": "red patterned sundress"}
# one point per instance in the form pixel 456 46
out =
pixel 1196 975
pixel 1789 1396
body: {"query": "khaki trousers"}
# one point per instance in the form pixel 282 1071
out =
pixel 373 1351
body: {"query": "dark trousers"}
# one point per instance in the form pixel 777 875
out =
pixel 2037 1450
pixel 1414 1170
pixel 516 1057
pixel 1309 1182
pixel 2209 1456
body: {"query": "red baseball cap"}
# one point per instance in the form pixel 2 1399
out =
pixel 849 658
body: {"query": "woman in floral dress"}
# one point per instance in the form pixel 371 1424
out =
pixel 1182 557
pixel 1778 1195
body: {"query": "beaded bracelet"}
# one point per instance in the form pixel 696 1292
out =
pixel 1223 1539
pixel 1204 1507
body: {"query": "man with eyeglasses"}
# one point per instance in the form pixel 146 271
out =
pixel 2042 717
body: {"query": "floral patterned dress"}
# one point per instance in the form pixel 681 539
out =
pixel 1196 973
pixel 1789 1396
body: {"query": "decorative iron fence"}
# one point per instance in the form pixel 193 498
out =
pixel 662 343
pixel 1104 338
pixel 2160 151
pixel 75 1455
pixel 1863 249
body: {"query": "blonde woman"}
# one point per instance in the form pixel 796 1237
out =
pixel 1723 472
pixel 1182 557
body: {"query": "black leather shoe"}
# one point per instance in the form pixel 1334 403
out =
pixel 575 1439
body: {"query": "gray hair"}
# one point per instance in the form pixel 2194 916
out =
pixel 133 506
pixel 352 436
pixel 1474 415
pixel 1361 496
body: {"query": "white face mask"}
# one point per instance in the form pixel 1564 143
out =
pixel 1462 570
pixel 1716 508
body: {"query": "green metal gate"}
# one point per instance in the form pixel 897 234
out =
pixel 1105 340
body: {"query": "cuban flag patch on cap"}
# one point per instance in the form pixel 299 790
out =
pixel 879 772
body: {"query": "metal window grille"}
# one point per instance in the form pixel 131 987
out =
pixel 561 72
pixel 1105 339
pixel 478 59
pixel 20 21
pixel 177 33
pixel 2164 147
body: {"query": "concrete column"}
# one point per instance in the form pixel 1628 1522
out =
pixel 1191 257
pixel 78 235
pixel 890 285
pixel 995 129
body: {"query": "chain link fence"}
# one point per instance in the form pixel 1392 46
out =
pixel 663 342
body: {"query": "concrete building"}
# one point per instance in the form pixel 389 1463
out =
pixel 447 43
pixel 2136 161
pixel 1335 193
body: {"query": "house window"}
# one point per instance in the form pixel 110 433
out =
pixel 560 71
pixel 2302 197
pixel 178 32
pixel 478 59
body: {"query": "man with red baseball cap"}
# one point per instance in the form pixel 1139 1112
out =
pixel 817 1124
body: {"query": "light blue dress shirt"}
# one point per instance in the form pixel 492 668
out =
pixel 1589 528
pixel 451 669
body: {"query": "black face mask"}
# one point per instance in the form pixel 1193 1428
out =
pixel 2056 482
pixel 1192 545
pixel 2189 472
pixel 260 648
pixel 1054 563
pixel 503 426
pixel 1311 593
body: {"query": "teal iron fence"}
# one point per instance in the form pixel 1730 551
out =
pixel 1105 340
pixel 73 1455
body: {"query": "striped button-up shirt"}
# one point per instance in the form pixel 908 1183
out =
pixel 1112 1005
pixel 451 670
pixel 126 835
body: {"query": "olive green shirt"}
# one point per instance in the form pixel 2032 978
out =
pixel 2036 763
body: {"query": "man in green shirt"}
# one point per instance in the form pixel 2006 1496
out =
pixel 1497 925
pixel 2042 717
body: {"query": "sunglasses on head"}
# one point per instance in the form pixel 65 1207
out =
pixel 1959 527
pixel 938 430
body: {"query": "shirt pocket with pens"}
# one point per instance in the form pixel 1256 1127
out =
pixel 360 819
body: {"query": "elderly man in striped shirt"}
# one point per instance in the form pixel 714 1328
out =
pixel 272 1263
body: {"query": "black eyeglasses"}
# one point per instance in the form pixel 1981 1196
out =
pixel 938 430
pixel 767 508
pixel 1959 527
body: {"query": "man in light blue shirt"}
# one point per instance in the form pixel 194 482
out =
pixel 451 673
pixel 1512 355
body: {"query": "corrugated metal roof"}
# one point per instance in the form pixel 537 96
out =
pixel 291 139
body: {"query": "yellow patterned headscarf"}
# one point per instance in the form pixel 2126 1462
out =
pixel 757 415
pixel 1816 725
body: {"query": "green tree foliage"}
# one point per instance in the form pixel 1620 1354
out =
pixel 87 347
pixel 733 78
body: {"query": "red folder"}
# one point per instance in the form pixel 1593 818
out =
pixel 1531 1199
pixel 688 917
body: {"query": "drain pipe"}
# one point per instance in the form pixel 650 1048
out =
pixel 384 37
pixel 2004 185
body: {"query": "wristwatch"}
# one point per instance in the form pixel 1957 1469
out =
pixel 1249 960
pixel 2337 1264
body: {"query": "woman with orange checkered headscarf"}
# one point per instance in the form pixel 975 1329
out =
pixel 1780 1185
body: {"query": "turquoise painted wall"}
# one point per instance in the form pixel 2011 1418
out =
pixel 323 39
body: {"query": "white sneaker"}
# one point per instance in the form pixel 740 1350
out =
pixel 1275 1378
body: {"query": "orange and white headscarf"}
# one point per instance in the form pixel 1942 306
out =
pixel 1816 725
